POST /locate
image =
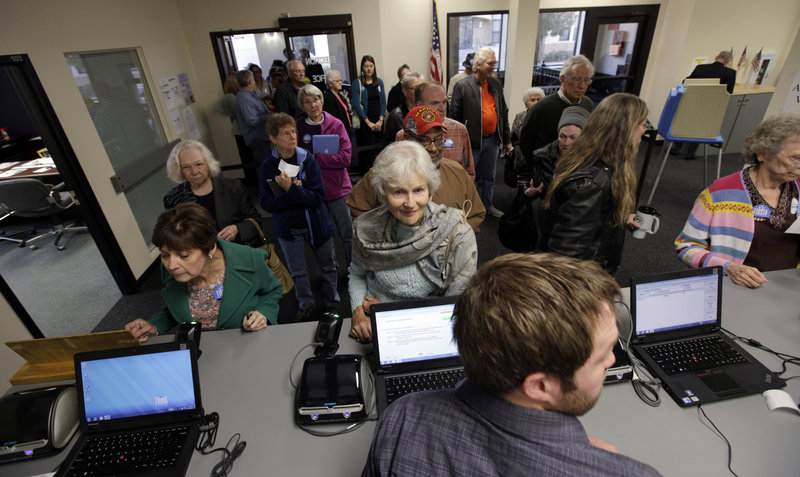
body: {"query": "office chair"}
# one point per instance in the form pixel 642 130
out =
pixel 32 198
pixel 668 122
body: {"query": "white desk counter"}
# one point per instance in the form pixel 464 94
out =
pixel 245 378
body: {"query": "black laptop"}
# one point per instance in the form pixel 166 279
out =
pixel 414 348
pixel 140 410
pixel 677 318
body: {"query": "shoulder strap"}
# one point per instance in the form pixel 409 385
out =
pixel 258 228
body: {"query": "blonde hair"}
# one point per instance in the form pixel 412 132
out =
pixel 607 137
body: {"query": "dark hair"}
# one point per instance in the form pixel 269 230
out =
pixel 527 313
pixel 361 75
pixel 400 70
pixel 188 226
pixel 278 121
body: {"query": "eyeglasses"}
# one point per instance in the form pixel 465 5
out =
pixel 427 141
pixel 578 79
pixel 291 133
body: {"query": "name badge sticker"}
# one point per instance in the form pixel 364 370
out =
pixel 448 143
pixel 761 211
pixel 218 292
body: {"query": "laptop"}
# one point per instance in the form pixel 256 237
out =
pixel 673 314
pixel 146 394
pixel 325 143
pixel 414 348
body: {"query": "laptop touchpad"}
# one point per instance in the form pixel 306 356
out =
pixel 721 384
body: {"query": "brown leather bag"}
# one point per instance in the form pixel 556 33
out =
pixel 273 262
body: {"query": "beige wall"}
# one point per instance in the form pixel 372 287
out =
pixel 46 29
pixel 11 329
pixel 200 17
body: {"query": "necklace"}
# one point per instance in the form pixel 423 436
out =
pixel 777 215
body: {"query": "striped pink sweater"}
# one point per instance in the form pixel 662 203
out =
pixel 720 227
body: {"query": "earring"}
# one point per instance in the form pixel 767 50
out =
pixel 211 256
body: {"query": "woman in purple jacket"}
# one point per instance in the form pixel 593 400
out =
pixel 334 166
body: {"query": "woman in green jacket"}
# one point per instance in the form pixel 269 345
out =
pixel 220 284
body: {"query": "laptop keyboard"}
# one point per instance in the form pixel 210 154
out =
pixel 136 451
pixel 694 355
pixel 398 386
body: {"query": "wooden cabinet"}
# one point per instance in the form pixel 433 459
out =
pixel 746 109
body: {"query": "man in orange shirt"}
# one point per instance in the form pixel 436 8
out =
pixel 478 103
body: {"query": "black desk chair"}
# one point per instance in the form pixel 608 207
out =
pixel 32 198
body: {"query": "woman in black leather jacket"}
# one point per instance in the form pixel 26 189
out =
pixel 591 199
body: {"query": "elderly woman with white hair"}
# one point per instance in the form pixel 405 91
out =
pixel 335 101
pixel 335 178
pixel 409 247
pixel 529 98
pixel 197 173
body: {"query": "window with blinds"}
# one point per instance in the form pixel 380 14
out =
pixel 122 109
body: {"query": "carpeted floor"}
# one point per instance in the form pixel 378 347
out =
pixel 681 182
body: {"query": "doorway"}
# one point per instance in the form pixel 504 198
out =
pixel 616 39
pixel 324 42
pixel 56 292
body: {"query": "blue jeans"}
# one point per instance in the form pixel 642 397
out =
pixel 486 169
pixel 295 252
pixel 340 213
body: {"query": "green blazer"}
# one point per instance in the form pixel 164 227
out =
pixel 249 286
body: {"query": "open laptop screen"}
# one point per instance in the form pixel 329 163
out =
pixel 137 385
pixel 414 334
pixel 676 303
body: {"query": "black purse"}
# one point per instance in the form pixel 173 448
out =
pixel 517 229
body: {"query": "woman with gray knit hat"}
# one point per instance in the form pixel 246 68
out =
pixel 539 173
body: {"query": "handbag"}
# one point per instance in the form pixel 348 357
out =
pixel 517 229
pixel 510 170
pixel 273 262
pixel 356 120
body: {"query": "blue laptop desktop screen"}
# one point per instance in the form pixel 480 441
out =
pixel 137 385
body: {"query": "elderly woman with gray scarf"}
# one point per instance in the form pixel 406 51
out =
pixel 409 247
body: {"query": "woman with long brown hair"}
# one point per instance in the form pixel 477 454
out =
pixel 591 199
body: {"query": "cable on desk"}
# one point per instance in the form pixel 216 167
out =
pixel 700 411
pixel 208 437
pixel 644 384
pixel 784 357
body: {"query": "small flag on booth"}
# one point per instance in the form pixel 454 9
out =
pixel 742 58
pixel 756 61
pixel 436 52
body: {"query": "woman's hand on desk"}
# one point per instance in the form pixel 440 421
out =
pixel 254 321
pixel 361 328
pixel 745 276
pixel 141 329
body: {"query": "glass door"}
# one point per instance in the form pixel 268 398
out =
pixel 617 41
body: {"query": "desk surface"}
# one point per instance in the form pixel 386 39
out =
pixel 245 378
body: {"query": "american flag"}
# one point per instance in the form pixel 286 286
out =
pixel 436 52
pixel 742 58
pixel 756 61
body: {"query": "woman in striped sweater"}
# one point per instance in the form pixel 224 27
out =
pixel 740 221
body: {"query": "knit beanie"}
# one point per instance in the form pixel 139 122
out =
pixel 573 115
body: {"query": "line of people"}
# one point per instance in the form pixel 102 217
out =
pixel 408 229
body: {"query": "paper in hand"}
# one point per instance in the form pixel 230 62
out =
pixel 289 169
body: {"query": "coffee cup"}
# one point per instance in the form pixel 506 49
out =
pixel 648 221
